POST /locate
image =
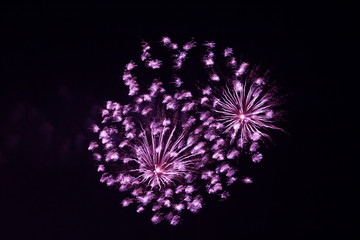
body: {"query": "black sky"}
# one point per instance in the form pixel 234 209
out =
pixel 59 63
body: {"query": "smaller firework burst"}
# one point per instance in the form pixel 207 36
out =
pixel 242 104
pixel 247 112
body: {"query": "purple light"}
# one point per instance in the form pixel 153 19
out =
pixel 247 180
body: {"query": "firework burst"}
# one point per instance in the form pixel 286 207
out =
pixel 156 148
pixel 243 105
pixel 155 159
pixel 163 161
pixel 170 145
pixel 246 112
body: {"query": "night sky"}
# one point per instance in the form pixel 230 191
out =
pixel 60 63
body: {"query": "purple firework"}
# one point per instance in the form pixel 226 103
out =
pixel 156 148
pixel 242 103
pixel 246 113
pixel 164 160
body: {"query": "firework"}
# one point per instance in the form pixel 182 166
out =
pixel 169 145
pixel 242 104
pixel 246 113
pixel 152 157
pixel 156 148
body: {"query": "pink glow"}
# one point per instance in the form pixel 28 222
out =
pixel 166 40
pixel 189 45
pixel 247 180
pixel 209 62
pixel 178 82
pixel 131 65
pixel 228 52
pixel 215 77
pixel 154 64
pixel 241 69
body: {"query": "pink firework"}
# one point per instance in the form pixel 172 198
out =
pixel 164 160
pixel 156 148
pixel 157 159
pixel 246 112
pixel 242 104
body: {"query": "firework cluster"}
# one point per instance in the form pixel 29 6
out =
pixel 169 145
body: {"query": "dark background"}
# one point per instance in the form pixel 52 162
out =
pixel 60 63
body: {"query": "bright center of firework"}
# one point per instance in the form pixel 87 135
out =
pixel 158 170
pixel 163 158
pixel 242 116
